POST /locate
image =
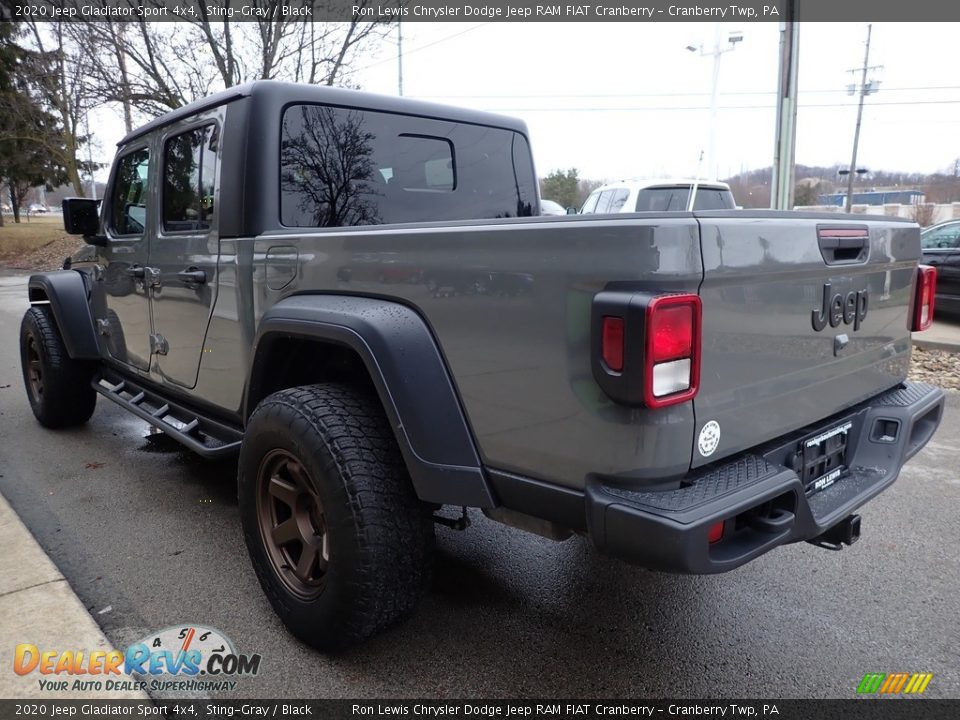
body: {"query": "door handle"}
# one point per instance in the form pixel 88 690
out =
pixel 192 276
pixel 136 271
pixel 843 245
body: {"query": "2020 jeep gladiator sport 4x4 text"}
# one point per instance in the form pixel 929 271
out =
pixel 356 294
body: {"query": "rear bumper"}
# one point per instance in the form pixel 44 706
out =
pixel 758 496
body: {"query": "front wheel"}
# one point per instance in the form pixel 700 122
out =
pixel 338 539
pixel 58 387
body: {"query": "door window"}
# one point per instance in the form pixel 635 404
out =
pixel 603 203
pixel 945 237
pixel 591 204
pixel 128 204
pixel 189 175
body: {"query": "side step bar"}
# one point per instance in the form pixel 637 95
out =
pixel 204 436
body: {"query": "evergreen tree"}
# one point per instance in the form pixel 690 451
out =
pixel 31 145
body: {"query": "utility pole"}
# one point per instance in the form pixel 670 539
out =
pixel 781 189
pixel 400 58
pixel 93 180
pixel 119 49
pixel 733 37
pixel 714 89
pixel 864 88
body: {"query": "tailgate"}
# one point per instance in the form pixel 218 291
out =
pixel 773 360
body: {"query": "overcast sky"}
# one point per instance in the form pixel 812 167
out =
pixel 620 100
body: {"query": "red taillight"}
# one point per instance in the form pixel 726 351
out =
pixel 672 357
pixel 923 301
pixel 715 534
pixel 671 328
pixel 612 342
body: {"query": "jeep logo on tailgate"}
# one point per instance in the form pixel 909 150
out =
pixel 851 308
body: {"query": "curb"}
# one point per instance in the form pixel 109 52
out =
pixel 38 606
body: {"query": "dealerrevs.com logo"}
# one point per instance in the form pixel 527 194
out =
pixel 188 658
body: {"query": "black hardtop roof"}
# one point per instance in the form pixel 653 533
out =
pixel 283 93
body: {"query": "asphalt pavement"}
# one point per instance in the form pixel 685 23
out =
pixel 148 536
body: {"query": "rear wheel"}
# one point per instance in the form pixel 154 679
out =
pixel 58 387
pixel 338 539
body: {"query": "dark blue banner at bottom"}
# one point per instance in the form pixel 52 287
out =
pixel 866 709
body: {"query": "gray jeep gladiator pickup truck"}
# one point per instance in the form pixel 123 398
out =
pixel 356 295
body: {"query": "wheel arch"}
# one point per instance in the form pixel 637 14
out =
pixel 401 360
pixel 69 299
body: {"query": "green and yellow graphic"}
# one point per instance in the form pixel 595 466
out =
pixel 894 683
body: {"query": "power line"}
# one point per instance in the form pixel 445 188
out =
pixel 707 107
pixel 528 96
pixel 423 47
pixel 863 88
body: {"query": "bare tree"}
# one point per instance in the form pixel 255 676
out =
pixel 923 214
pixel 64 91
pixel 163 66
pixel 585 187
pixel 116 33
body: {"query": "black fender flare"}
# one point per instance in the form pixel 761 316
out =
pixel 411 379
pixel 69 300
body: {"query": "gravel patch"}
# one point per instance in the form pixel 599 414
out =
pixel 936 367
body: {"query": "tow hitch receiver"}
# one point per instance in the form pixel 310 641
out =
pixel 845 532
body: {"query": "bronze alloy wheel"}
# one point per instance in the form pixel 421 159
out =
pixel 339 540
pixel 34 370
pixel 292 524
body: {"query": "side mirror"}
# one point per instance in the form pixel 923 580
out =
pixel 81 216
pixel 572 211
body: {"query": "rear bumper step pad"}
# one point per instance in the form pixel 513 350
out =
pixel 759 497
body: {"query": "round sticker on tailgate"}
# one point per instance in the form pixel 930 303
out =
pixel 709 438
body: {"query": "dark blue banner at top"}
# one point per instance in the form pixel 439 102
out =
pixel 266 11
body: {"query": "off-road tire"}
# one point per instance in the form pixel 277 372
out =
pixel 380 535
pixel 61 396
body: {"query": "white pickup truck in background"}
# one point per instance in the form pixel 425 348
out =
pixel 627 196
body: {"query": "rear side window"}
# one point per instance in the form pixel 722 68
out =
pixel 713 199
pixel 189 176
pixel 342 167
pixel 617 200
pixel 421 163
pixel 128 204
pixel 668 199
pixel 663 199
pixel 603 202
